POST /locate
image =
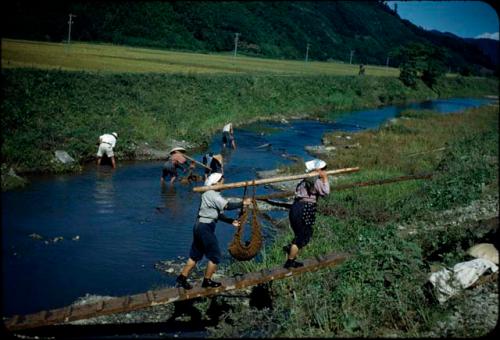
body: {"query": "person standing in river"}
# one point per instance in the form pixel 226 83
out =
pixel 302 214
pixel 106 144
pixel 174 162
pixel 204 240
pixel 228 136
pixel 214 162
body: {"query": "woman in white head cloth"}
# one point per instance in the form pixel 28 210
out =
pixel 303 211
pixel 204 240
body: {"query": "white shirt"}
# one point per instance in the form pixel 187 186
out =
pixel 227 128
pixel 107 138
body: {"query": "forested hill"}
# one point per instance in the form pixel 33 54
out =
pixel 279 29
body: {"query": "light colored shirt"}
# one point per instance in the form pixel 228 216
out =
pixel 109 139
pixel 320 189
pixel 212 204
pixel 227 128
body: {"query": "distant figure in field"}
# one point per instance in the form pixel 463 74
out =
pixel 228 136
pixel 361 70
pixel 174 161
pixel 106 144
pixel 214 162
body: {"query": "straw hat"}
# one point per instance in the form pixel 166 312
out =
pixel 218 157
pixel 180 149
pixel 315 164
pixel 213 178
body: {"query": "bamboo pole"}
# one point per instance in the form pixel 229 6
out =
pixel 194 160
pixel 284 194
pixel 270 180
pixel 349 186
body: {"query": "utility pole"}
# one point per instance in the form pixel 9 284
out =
pixel 236 43
pixel 350 60
pixel 387 63
pixel 69 27
pixel 70 22
pixel 307 51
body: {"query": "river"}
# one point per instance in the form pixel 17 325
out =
pixel 117 224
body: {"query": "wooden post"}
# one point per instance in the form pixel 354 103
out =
pixel 194 160
pixel 270 180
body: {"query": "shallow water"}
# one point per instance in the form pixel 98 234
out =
pixel 125 221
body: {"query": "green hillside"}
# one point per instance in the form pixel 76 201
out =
pixel 282 29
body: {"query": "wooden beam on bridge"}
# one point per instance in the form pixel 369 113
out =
pixel 166 295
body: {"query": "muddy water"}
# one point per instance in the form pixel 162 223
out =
pixel 103 230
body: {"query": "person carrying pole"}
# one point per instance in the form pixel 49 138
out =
pixel 204 240
pixel 302 213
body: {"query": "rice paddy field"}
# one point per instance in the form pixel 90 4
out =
pixel 78 56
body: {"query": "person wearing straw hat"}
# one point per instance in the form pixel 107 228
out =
pixel 175 161
pixel 228 136
pixel 214 162
pixel 106 144
pixel 302 213
pixel 204 240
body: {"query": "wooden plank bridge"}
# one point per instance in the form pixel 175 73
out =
pixel 166 295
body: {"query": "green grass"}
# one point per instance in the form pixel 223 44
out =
pixel 121 59
pixel 381 289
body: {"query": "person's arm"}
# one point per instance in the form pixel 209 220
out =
pixel 226 219
pixel 322 185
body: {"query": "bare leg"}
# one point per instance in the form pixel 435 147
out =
pixel 98 160
pixel 234 144
pixel 294 250
pixel 172 179
pixel 113 162
pixel 187 268
pixel 211 268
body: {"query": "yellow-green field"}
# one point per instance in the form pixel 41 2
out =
pixel 111 58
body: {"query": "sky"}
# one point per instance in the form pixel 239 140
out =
pixel 466 19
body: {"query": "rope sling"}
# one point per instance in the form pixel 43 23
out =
pixel 249 250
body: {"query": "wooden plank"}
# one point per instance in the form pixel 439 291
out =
pixel 166 295
pixel 270 180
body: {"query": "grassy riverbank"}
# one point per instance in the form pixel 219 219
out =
pixel 48 110
pixel 396 234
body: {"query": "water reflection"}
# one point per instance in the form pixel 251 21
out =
pixel 104 192
pixel 170 200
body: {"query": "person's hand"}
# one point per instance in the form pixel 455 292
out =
pixel 236 223
pixel 247 201
pixel 322 174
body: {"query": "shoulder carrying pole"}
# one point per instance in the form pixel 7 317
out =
pixel 270 180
